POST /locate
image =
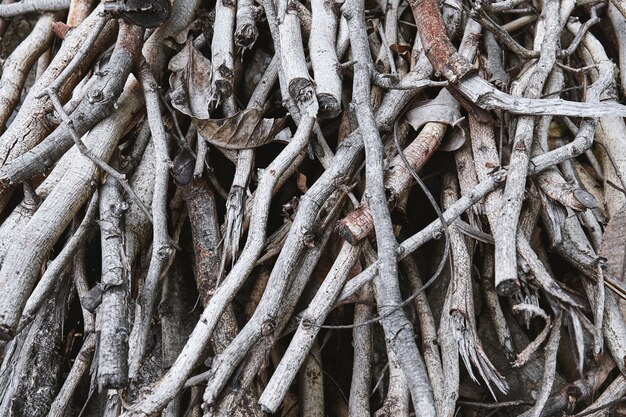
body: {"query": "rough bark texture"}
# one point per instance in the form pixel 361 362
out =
pixel 209 209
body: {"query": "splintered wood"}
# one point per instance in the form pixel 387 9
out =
pixel 312 208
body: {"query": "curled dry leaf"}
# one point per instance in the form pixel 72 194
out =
pixel 190 82
pixel 440 110
pixel 403 51
pixel 246 129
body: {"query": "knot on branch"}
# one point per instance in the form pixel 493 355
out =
pixel 95 95
pixel 268 327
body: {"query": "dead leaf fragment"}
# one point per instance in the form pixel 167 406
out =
pixel 246 129
pixel 191 82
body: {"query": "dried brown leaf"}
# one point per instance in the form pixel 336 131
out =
pixel 190 82
pixel 246 129
pixel 183 35
pixel 301 182
pixel 403 51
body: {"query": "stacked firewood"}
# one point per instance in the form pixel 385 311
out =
pixel 241 208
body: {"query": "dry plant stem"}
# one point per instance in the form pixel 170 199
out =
pixel 172 313
pixel 614 392
pixel 492 303
pixel 29 6
pixel 15 222
pixel 37 359
pixel 137 226
pixel 28 128
pixel 620 6
pixel 398 330
pixel 292 59
pixel 324 59
pixel 4 23
pixel 610 128
pixel 202 210
pixel 114 312
pixel 246 32
pixel 493 181
pixel 447 61
pixel 554 186
pixel 162 249
pixel 449 348
pixel 428 329
pixel 308 208
pixel 79 279
pixel 433 230
pixel 549 370
pixel 466 174
pixel 584 388
pixel 80 54
pixel 508 218
pixel 271 330
pixel 582 257
pixel 202 150
pixel 519 23
pixel 311 385
pixel 43 62
pixel 223 54
pixel 359 403
pixel 265 320
pixel 17 66
pixel 94 107
pixel 84 150
pixel 505 5
pixel 29 249
pixel 235 204
pixel 174 380
pixel 358 224
pixel 398 396
pixel 183 13
pixel 495 64
pixel 81 365
pixel 113 404
pixel 460 304
pixel 79 10
pixel 306 333
pixel 618 21
pixel 48 280
pixel 486 155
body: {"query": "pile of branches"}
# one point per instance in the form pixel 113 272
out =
pixel 312 208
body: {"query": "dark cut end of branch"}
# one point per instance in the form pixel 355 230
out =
pixel 223 89
pixel 330 107
pixel 585 198
pixel 246 36
pixel 301 89
pixel 357 225
pixel 508 287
